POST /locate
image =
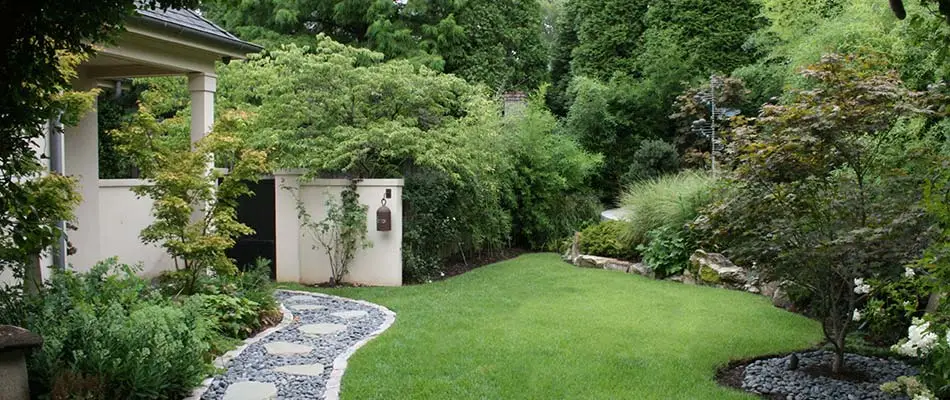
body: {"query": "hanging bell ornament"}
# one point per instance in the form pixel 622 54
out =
pixel 384 222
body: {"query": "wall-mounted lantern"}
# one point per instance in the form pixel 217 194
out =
pixel 384 216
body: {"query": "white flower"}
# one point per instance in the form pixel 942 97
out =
pixel 860 287
pixel 923 396
pixel 919 340
pixel 856 316
pixel 909 272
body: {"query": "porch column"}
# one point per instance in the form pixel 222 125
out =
pixel 202 87
pixel 81 148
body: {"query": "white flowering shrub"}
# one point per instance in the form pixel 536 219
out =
pixel 929 341
pixel 893 304
pixel 919 341
pixel 909 386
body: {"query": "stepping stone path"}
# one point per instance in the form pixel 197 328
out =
pixel 305 369
pixel 321 329
pixel 307 307
pixel 286 349
pixel 350 314
pixel 305 357
pixel 251 391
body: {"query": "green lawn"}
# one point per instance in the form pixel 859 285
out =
pixel 538 328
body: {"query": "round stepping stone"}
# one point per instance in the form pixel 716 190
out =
pixel 251 391
pixel 305 369
pixel 321 329
pixel 303 298
pixel 306 307
pixel 286 349
pixel 349 314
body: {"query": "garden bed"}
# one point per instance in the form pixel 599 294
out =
pixel 770 377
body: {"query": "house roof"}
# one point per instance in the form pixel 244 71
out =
pixel 191 23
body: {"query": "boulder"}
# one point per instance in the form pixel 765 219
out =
pixel 687 278
pixel 717 269
pixel 586 261
pixel 571 254
pixel 642 269
pixel 613 264
pixel 780 299
pixel 769 289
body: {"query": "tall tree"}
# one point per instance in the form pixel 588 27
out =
pixel 618 65
pixel 494 42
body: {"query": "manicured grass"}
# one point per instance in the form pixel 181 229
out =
pixel 537 328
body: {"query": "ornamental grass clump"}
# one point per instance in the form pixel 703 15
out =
pixel 669 201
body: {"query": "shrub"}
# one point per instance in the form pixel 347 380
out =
pixel 670 201
pixel 654 158
pixel 445 217
pixel 603 239
pixel 341 233
pixel 182 185
pixel 232 316
pixel 892 306
pixel 250 291
pixel 668 250
pixel 549 195
pixel 255 285
pixel 107 334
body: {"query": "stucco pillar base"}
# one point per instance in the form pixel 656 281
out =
pixel 15 343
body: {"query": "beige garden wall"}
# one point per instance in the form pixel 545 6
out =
pixel 122 216
pixel 300 259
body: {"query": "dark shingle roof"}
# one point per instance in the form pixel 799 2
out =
pixel 192 22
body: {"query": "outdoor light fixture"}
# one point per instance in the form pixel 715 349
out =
pixel 384 215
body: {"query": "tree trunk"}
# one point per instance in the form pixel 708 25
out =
pixel 837 363
pixel 934 302
pixel 33 276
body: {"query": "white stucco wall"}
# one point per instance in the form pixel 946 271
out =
pixel 301 259
pixel 122 216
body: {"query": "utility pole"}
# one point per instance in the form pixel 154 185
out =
pixel 712 144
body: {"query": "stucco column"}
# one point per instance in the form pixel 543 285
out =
pixel 81 150
pixel 287 240
pixel 202 87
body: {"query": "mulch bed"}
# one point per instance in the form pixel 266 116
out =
pixel 460 266
pixel 731 374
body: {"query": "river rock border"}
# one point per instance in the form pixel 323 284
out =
pixel 332 391
pixel 340 362
pixel 223 360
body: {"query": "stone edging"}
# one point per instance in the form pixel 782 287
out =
pixel 223 360
pixel 332 390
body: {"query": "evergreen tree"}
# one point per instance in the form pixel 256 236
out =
pixel 494 42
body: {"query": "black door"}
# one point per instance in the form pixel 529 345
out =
pixel 257 212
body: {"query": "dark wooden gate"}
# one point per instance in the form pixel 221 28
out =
pixel 257 212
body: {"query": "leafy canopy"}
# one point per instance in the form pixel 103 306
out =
pixel 814 201
pixel 337 108
pixel 493 42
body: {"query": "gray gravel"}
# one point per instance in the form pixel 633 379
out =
pixel 255 364
pixel 771 376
